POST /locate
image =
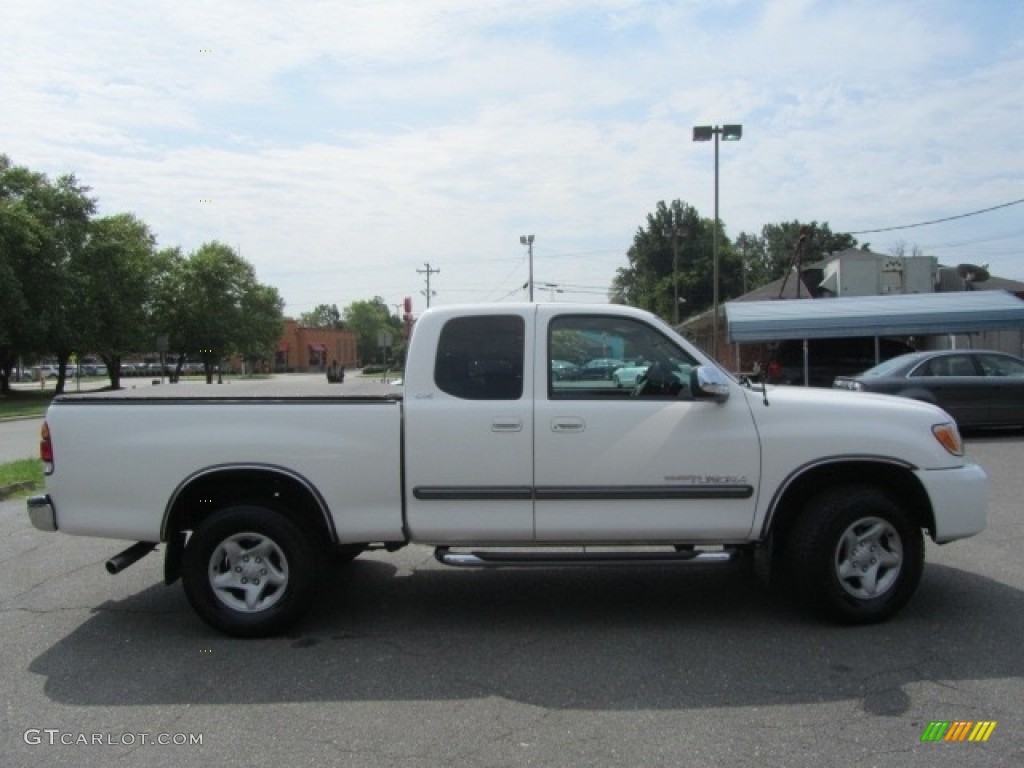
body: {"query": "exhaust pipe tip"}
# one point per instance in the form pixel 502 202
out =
pixel 130 556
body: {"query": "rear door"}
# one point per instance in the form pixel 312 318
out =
pixel 650 465
pixel 469 433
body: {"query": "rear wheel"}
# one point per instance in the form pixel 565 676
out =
pixel 248 571
pixel 856 556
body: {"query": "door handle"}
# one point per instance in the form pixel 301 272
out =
pixel 568 424
pixel 507 425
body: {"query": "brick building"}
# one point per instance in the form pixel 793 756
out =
pixel 312 350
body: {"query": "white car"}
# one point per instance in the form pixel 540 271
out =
pixel 629 375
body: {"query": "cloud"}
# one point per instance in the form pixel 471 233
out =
pixel 344 145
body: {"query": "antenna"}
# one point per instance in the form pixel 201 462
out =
pixel 797 261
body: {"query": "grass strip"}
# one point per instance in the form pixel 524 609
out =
pixel 24 403
pixel 20 478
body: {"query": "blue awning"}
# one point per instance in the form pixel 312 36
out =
pixel 916 314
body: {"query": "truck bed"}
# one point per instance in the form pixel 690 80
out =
pixel 127 447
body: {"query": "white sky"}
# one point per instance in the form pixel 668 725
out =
pixel 344 145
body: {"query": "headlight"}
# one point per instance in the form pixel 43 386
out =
pixel 949 436
pixel 854 386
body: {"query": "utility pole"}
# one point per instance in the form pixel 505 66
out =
pixel 677 232
pixel 527 240
pixel 428 272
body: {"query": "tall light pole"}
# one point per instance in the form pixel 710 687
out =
pixel 527 240
pixel 705 133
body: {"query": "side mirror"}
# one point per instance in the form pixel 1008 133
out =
pixel 709 383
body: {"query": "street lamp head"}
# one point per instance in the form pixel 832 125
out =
pixel 703 132
pixel 526 239
pixel 732 132
pixel 727 132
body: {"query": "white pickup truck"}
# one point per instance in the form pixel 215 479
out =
pixel 495 461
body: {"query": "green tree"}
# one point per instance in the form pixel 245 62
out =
pixel 169 315
pixel 367 319
pixel 117 269
pixel 20 238
pixel 212 306
pixel 262 323
pixel 322 316
pixel 673 252
pixel 43 229
pixel 754 263
pixel 772 254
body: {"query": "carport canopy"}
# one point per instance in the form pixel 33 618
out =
pixel 915 314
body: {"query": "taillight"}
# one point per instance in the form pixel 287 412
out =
pixel 46 449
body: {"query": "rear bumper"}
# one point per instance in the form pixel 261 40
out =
pixel 41 513
pixel 959 500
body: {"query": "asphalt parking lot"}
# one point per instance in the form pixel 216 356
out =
pixel 407 663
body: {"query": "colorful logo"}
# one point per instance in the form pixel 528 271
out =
pixel 958 730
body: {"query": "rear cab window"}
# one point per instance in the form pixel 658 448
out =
pixel 481 357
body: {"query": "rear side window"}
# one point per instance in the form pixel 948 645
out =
pixel 481 358
pixel 1001 365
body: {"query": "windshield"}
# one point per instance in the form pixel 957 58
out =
pixel 886 368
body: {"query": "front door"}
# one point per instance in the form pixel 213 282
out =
pixel 649 463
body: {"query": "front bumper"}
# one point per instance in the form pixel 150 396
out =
pixel 41 513
pixel 959 500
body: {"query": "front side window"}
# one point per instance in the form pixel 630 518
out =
pixel 609 357
pixel 481 357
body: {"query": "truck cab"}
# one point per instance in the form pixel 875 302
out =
pixel 524 455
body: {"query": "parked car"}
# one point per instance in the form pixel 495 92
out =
pixel 828 358
pixel 562 370
pixel 977 387
pixel 600 368
pixel 94 369
pixel 47 371
pixel 629 374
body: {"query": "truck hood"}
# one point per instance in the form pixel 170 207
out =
pixel 837 422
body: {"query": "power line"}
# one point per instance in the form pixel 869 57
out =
pixel 979 241
pixel 937 221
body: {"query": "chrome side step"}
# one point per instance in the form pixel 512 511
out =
pixel 527 558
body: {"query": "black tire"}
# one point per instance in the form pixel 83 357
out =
pixel 855 556
pixel 249 571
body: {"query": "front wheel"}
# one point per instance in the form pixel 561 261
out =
pixel 857 556
pixel 248 571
